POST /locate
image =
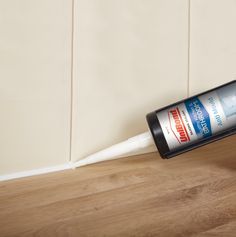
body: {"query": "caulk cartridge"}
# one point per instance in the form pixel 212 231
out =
pixel 182 126
pixel 194 122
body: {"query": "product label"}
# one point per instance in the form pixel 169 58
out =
pixel 199 117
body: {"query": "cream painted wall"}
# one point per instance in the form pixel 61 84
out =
pixel 35 52
pixel 213 48
pixel 130 57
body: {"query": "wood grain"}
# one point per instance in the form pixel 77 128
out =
pixel 190 195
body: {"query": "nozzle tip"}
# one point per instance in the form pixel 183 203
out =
pixel 79 164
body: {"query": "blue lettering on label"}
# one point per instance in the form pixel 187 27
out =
pixel 199 117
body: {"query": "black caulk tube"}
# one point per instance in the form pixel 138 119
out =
pixel 181 126
pixel 194 122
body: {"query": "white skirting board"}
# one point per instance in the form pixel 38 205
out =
pixel 35 172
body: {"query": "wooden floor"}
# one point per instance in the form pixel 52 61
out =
pixel 191 195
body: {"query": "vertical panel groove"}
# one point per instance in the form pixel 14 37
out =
pixel 189 42
pixel 72 78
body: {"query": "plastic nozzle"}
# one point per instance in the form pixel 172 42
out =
pixel 133 144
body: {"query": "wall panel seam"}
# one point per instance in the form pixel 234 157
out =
pixel 72 78
pixel 189 47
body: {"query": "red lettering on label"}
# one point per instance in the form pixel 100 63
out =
pixel 182 134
